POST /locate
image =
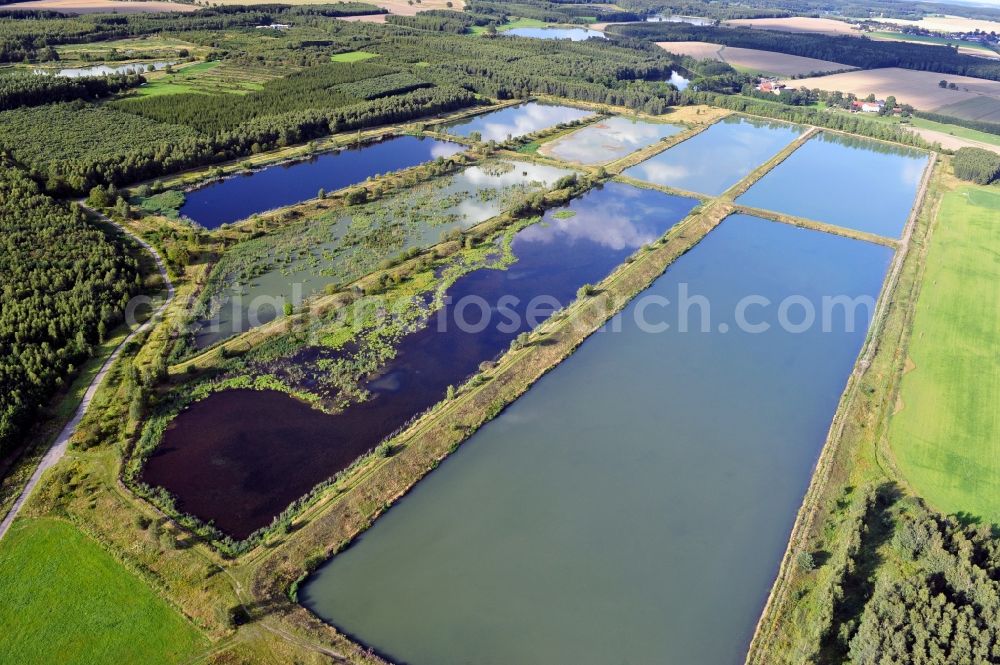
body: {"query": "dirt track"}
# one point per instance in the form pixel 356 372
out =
pixel 61 443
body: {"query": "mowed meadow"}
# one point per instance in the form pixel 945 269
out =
pixel 946 430
pixel 51 575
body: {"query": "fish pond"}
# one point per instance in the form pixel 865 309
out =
pixel 106 70
pixel 607 140
pixel 252 281
pixel 717 158
pixel 572 34
pixel 227 458
pixel 844 180
pixel 634 505
pixel 515 121
pixel 241 196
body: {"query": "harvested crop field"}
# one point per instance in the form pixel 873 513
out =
pixel 100 6
pixel 951 141
pixel 401 7
pixel 748 58
pixel 974 99
pixel 826 26
pixel 948 24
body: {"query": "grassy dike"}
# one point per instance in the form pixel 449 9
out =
pixel 337 519
pixel 799 610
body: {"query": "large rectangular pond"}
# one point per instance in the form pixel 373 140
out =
pixel 716 159
pixel 238 458
pixel 844 180
pixel 633 506
pixel 514 121
pixel 609 139
pixel 237 198
pixel 250 284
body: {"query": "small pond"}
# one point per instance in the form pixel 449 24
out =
pixel 848 181
pixel 607 140
pixel 573 34
pixel 241 196
pixel 514 121
pixel 717 158
pixel 106 70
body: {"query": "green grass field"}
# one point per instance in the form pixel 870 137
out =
pixel 66 600
pixel 946 437
pixel 353 56
pixel 210 78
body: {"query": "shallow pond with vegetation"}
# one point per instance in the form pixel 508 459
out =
pixel 717 158
pixel 241 196
pixel 844 180
pixel 609 139
pixel 633 506
pixel 515 121
pixel 240 471
pixel 253 280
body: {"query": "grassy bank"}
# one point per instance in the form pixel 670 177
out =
pixel 945 433
pixel 824 547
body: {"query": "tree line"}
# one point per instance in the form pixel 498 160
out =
pixel 915 587
pixel 977 165
pixel 27 89
pixel 852 124
pixel 733 9
pixel 854 51
pixel 31 36
pixel 65 286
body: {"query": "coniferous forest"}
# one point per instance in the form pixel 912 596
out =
pixel 65 286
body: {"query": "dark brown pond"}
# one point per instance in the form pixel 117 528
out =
pixel 239 458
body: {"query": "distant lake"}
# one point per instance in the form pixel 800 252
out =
pixel 633 506
pixel 609 139
pixel 241 196
pixel 515 121
pixel 716 159
pixel 573 34
pixel 848 181
pixel 105 70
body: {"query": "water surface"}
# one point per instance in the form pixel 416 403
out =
pixel 106 70
pixel 514 121
pixel 716 159
pixel 349 244
pixel 241 196
pixel 609 139
pixel 633 506
pixel 240 473
pixel 677 18
pixel 848 181
pixel 573 34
